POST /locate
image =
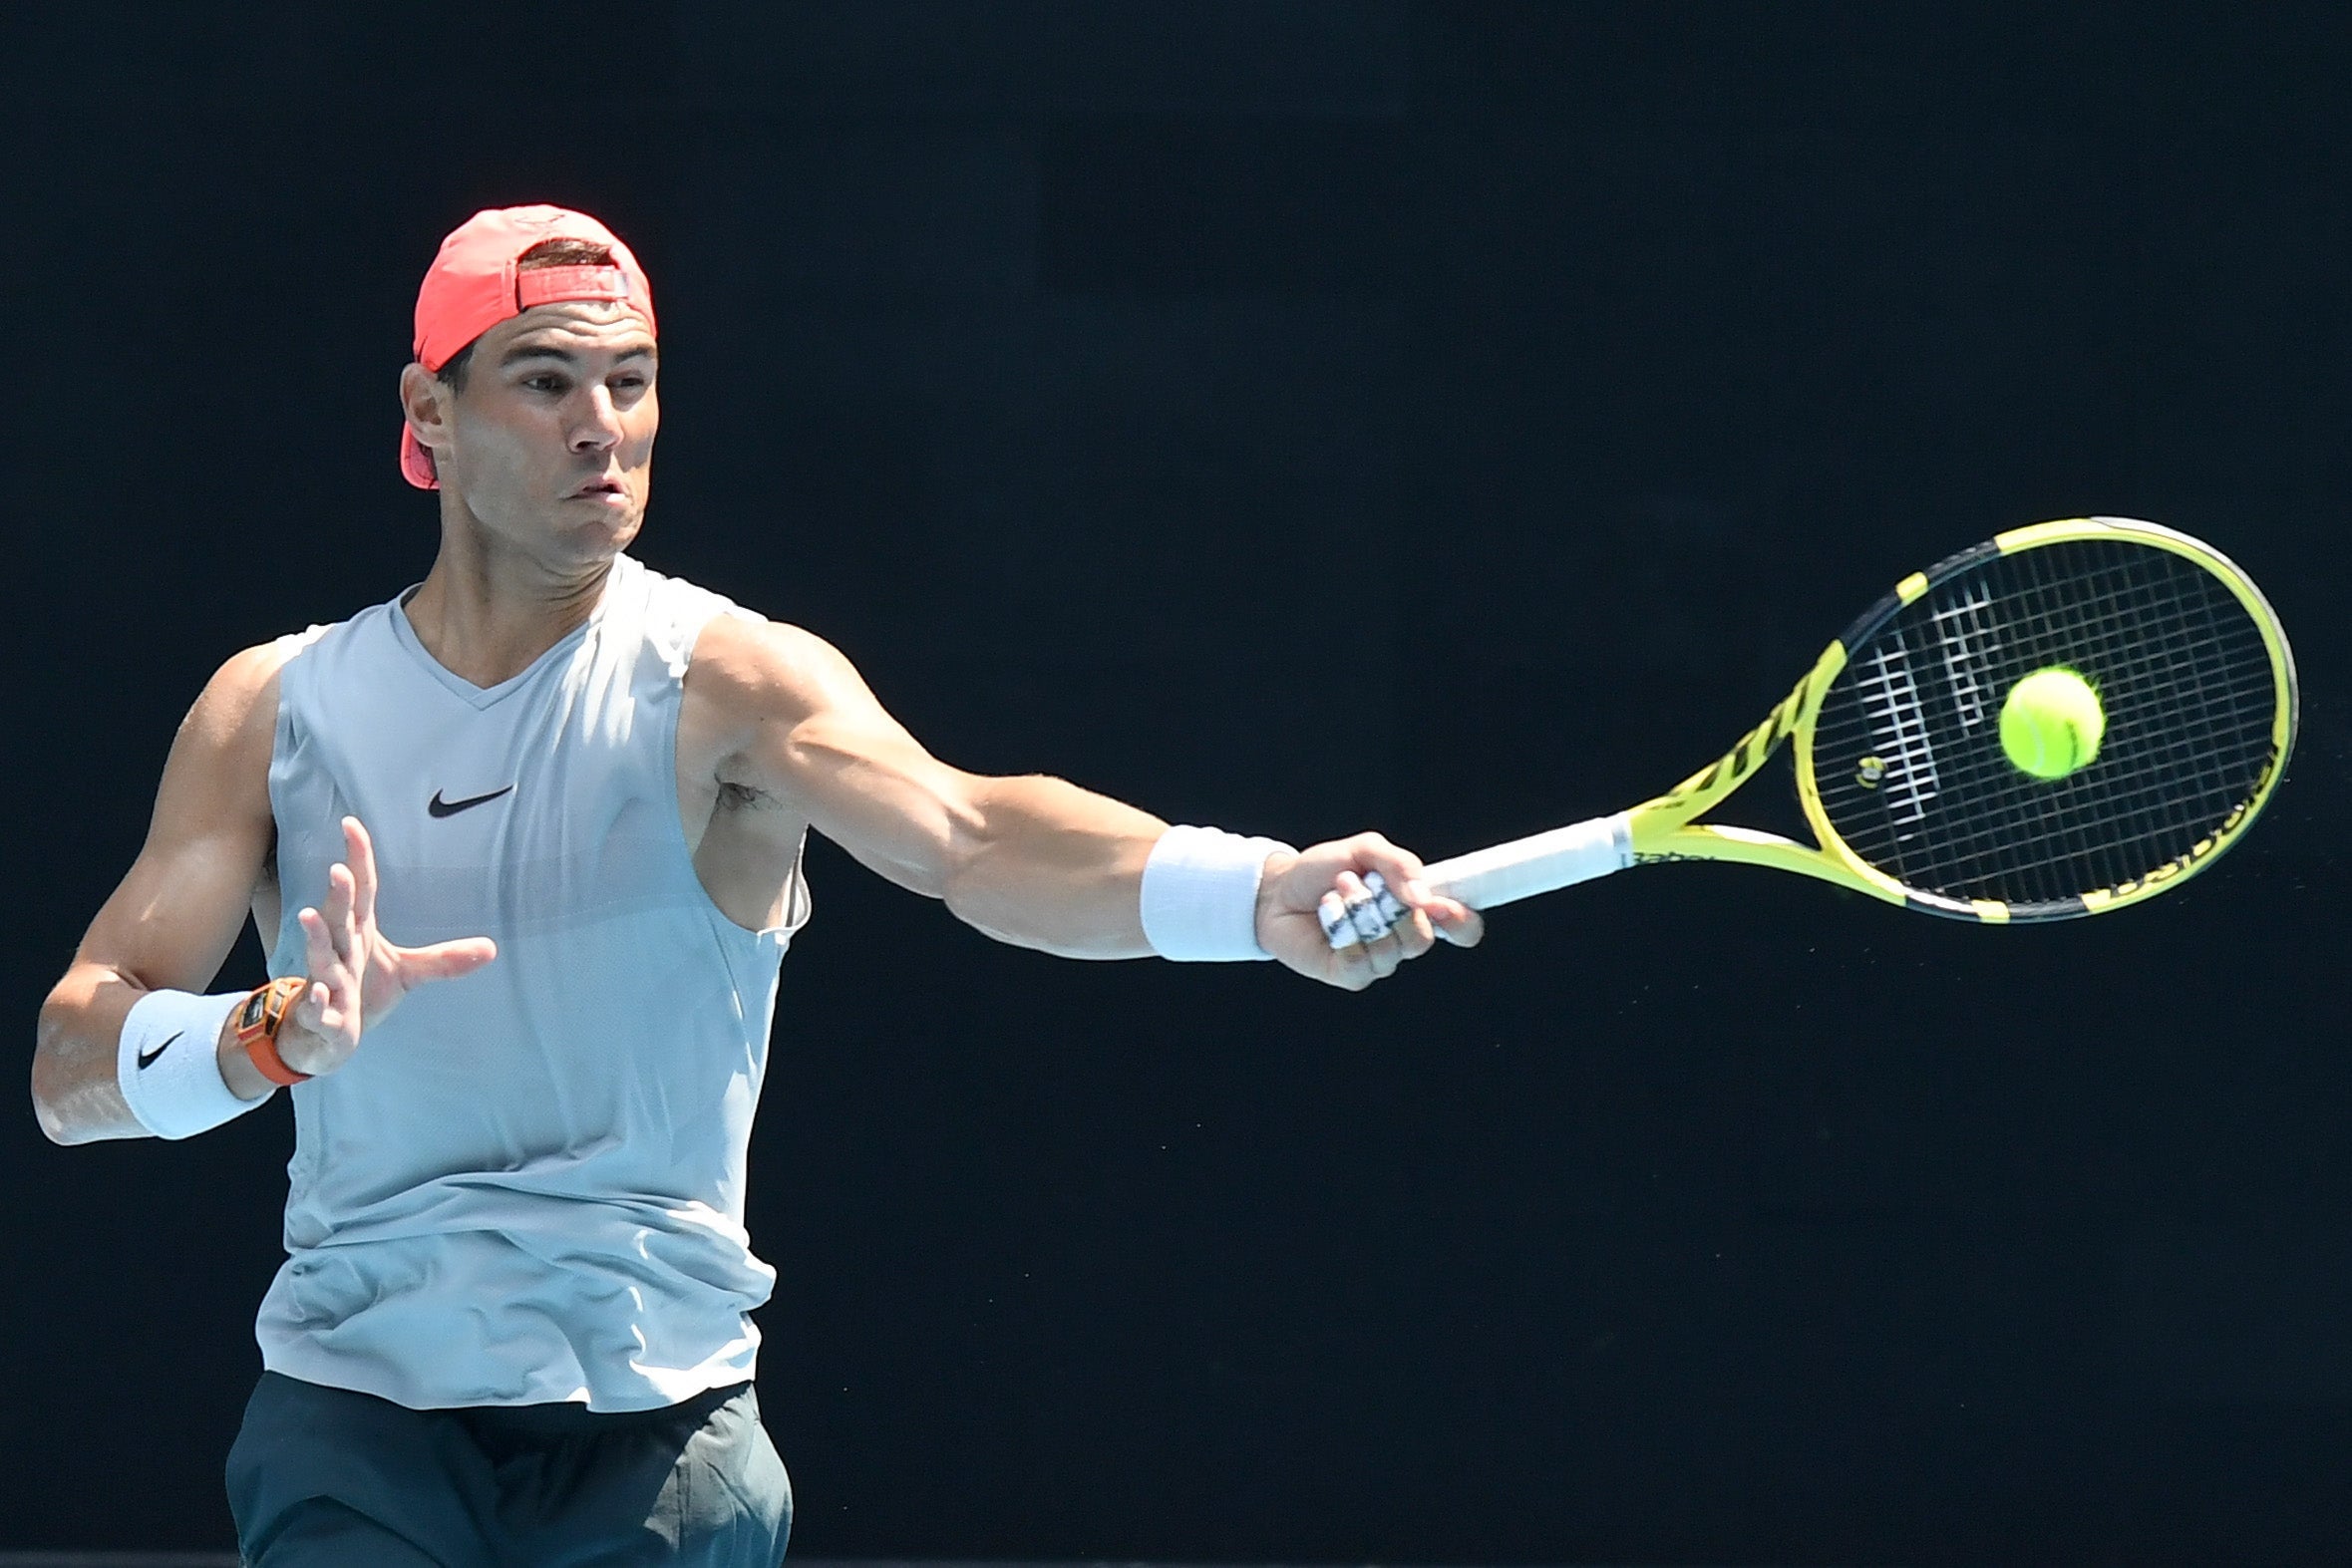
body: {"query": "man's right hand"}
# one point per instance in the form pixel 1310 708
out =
pixel 356 976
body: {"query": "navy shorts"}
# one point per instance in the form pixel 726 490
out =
pixel 323 1476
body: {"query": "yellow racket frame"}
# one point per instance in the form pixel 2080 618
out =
pixel 1662 829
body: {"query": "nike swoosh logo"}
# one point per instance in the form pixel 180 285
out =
pixel 146 1058
pixel 440 807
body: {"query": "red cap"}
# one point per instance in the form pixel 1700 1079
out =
pixel 474 284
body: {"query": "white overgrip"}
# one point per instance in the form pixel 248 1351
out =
pixel 1538 863
pixel 1483 878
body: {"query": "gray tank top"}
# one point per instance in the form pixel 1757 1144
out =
pixel 528 1184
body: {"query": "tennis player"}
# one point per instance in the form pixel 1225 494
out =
pixel 524 845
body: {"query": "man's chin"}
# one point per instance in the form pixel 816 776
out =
pixel 602 539
pixel 574 521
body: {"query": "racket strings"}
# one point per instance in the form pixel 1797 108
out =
pixel 2011 790
pixel 2140 801
pixel 1906 753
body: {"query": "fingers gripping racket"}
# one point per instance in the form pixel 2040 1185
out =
pixel 1900 768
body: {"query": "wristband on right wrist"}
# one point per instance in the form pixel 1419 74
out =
pixel 1200 894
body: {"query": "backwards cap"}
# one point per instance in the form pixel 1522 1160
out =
pixel 474 284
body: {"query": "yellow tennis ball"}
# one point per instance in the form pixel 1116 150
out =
pixel 2052 723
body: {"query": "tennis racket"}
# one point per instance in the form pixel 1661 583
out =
pixel 1895 734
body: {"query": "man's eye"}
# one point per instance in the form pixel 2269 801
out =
pixel 545 384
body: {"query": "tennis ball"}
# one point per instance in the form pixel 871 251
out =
pixel 2052 723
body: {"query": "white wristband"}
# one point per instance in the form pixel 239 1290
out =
pixel 1200 894
pixel 169 1066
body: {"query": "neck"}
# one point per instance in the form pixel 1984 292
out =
pixel 486 614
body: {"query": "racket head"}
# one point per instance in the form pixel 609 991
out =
pixel 1900 766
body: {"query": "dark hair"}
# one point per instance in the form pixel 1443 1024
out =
pixel 546 253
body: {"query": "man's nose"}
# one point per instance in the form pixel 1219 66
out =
pixel 599 426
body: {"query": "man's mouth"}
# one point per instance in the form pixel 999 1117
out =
pixel 601 487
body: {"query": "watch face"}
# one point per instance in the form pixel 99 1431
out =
pixel 249 1016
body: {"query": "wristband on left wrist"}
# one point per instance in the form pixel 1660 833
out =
pixel 167 1062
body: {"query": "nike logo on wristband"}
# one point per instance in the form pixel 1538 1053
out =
pixel 440 807
pixel 146 1058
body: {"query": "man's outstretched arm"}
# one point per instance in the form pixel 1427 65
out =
pixel 1031 860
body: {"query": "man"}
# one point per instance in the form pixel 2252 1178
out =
pixel 513 1323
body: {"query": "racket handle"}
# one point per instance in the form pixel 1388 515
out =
pixel 1483 878
pixel 1535 865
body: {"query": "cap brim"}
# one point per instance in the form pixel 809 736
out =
pixel 416 463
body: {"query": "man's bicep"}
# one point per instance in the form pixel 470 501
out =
pixel 177 913
pixel 174 917
pixel 814 736
pixel 870 787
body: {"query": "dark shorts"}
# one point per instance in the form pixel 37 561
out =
pixel 323 1476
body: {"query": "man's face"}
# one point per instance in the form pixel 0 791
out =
pixel 549 446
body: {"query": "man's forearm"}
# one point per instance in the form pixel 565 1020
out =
pixel 76 1093
pixel 1049 865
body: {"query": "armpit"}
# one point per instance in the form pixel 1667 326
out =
pixel 743 798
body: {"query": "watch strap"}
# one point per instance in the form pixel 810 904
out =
pixel 258 1021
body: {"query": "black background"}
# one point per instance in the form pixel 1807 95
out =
pixel 1298 417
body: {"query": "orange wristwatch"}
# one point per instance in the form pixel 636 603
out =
pixel 258 1022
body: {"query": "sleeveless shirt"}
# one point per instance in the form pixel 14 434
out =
pixel 528 1184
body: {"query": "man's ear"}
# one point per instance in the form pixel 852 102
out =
pixel 424 400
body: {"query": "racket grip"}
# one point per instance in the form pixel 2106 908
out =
pixel 1483 878
pixel 1535 865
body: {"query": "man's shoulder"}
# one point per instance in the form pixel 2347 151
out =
pixel 241 699
pixel 740 651
pixel 763 666
pixel 247 682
